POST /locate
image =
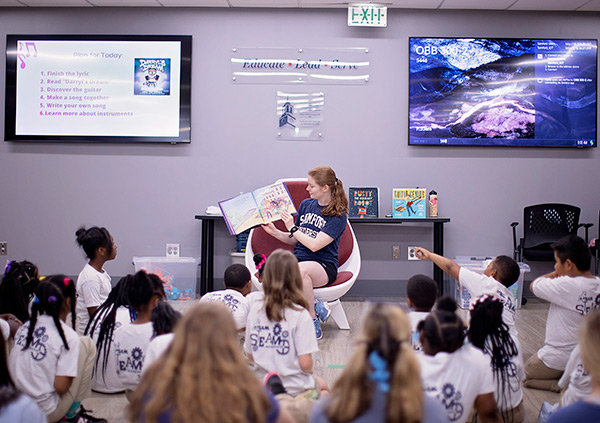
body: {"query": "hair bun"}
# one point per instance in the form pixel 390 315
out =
pixel 446 303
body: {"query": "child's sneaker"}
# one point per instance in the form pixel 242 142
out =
pixel 318 330
pixel 82 416
pixel 322 311
pixel 274 384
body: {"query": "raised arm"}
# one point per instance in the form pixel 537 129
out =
pixel 447 265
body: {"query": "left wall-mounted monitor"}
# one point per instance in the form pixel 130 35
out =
pixel 98 88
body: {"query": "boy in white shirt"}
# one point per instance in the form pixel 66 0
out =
pixel 573 292
pixel 421 294
pixel 238 284
pixel 497 277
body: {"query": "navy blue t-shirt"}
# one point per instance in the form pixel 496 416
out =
pixel 581 411
pixel 311 221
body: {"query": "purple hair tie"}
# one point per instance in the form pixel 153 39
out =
pixel 8 266
pixel 51 299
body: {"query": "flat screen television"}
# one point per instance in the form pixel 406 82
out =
pixel 503 92
pixel 98 88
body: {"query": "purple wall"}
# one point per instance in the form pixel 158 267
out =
pixel 147 195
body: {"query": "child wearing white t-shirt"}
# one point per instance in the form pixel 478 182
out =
pixel 144 291
pixel 573 292
pixel 421 293
pixel 280 335
pixel 164 318
pixel 497 277
pixel 457 374
pixel 576 381
pixel 488 333
pixel 93 283
pixel 49 362
pixel 238 284
pixel 108 319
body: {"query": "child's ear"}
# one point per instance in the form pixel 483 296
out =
pixel 409 302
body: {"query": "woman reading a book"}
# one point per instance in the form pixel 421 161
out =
pixel 316 233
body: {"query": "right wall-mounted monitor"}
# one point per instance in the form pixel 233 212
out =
pixel 503 92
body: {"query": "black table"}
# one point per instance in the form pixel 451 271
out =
pixel 208 243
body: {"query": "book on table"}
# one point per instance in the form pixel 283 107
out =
pixel 409 203
pixel 259 207
pixel 363 202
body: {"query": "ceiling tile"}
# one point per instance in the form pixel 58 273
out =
pixel 263 3
pixel 592 6
pixel 470 4
pixel 127 3
pixel 565 5
pixel 56 3
pixel 194 3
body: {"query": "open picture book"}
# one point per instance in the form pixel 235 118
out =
pixel 259 207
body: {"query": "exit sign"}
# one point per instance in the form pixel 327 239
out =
pixel 367 15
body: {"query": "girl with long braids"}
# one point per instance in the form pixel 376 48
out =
pixel 457 374
pixel 49 361
pixel 144 291
pixel 106 321
pixel 316 232
pixel 381 382
pixel 491 335
pixel 203 377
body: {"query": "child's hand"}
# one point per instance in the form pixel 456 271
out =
pixel 422 253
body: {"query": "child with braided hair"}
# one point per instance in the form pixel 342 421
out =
pixel 49 361
pixel 106 321
pixel 381 381
pixel 458 374
pixel 17 287
pixel 491 335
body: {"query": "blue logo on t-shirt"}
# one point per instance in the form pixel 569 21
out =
pixel 450 398
pixel 277 339
pixel 38 348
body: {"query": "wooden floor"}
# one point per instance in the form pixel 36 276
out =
pixel 336 346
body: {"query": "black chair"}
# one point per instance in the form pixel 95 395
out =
pixel 544 224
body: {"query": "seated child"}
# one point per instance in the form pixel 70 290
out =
pixel 421 293
pixel 498 276
pixel 164 318
pixel 93 282
pixel 588 408
pixel 15 407
pixel 381 381
pixel 17 288
pixel 576 381
pixel 106 321
pixel 488 332
pixel 203 376
pixel 49 361
pixel 144 291
pixel 573 292
pixel 238 284
pixel 280 334
pixel 457 374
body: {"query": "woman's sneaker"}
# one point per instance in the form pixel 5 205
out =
pixel 322 311
pixel 318 330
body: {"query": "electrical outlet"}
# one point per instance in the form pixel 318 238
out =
pixel 396 252
pixel 3 248
pixel 412 255
pixel 172 250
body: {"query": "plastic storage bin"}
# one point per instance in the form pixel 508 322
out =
pixel 179 274
pixel 478 264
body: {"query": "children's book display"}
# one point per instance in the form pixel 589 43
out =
pixel 363 202
pixel 259 207
pixel 409 203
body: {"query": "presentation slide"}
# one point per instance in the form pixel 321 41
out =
pixel 98 88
